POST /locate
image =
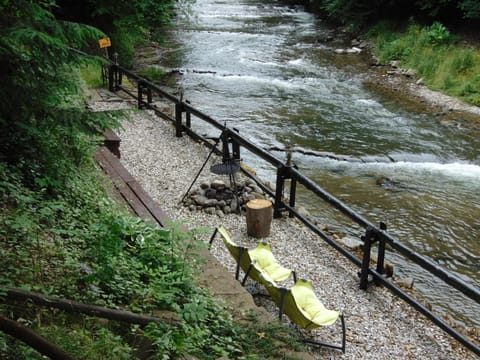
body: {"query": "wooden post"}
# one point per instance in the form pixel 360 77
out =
pixel 381 251
pixel 188 120
pixel 119 80
pixel 259 218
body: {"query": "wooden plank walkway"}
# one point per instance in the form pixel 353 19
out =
pixel 137 199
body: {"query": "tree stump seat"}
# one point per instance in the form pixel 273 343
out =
pixel 259 217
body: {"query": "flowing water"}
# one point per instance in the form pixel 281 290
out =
pixel 266 70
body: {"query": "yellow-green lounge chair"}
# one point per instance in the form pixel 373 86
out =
pixel 261 256
pixel 304 308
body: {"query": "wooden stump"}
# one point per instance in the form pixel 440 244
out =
pixel 259 217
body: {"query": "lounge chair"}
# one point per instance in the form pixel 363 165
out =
pixel 261 256
pixel 304 308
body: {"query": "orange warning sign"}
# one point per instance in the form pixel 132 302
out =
pixel 105 42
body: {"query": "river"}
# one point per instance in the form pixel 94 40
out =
pixel 271 72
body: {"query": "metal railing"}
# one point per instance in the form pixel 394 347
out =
pixel 233 142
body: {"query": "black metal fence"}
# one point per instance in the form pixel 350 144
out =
pixel 374 235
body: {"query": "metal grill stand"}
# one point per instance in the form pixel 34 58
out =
pixel 228 167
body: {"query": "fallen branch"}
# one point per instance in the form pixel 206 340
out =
pixel 31 338
pixel 87 309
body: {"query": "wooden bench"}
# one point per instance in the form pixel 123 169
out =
pixel 137 199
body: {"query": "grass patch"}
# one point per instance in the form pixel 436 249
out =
pixel 152 73
pixel 91 73
pixel 438 57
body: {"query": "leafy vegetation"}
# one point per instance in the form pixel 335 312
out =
pixel 89 73
pixel 43 117
pixel 152 73
pixel 433 52
pixel 425 43
pixel 78 245
pixel 127 22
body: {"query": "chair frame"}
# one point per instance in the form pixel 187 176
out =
pixel 244 254
pixel 279 296
pixel 341 347
pixel 241 251
pixel 271 286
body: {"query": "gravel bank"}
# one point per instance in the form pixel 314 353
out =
pixel 379 326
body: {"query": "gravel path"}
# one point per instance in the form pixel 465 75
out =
pixel 379 326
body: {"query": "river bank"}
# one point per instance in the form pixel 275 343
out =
pixel 411 93
pixel 404 86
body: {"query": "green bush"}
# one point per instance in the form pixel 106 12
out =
pixel 152 73
pixel 442 63
pixel 438 34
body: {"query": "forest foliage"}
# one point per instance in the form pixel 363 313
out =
pixel 358 13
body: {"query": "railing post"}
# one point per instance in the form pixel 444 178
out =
pixel 367 246
pixel 293 189
pixel 105 71
pixel 293 181
pixel 225 149
pixel 178 119
pixel 115 79
pixel 188 120
pixel 119 78
pixel 279 192
pixel 149 95
pixel 381 251
pixel 140 94
pixel 236 148
pixel 111 78
pixel 188 117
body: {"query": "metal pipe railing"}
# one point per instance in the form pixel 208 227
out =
pixel 373 233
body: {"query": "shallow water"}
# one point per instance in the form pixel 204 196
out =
pixel 265 70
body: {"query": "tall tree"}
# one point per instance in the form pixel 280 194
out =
pixel 40 128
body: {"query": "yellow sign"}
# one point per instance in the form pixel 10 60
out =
pixel 105 42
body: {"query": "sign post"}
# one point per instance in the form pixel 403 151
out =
pixel 105 43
